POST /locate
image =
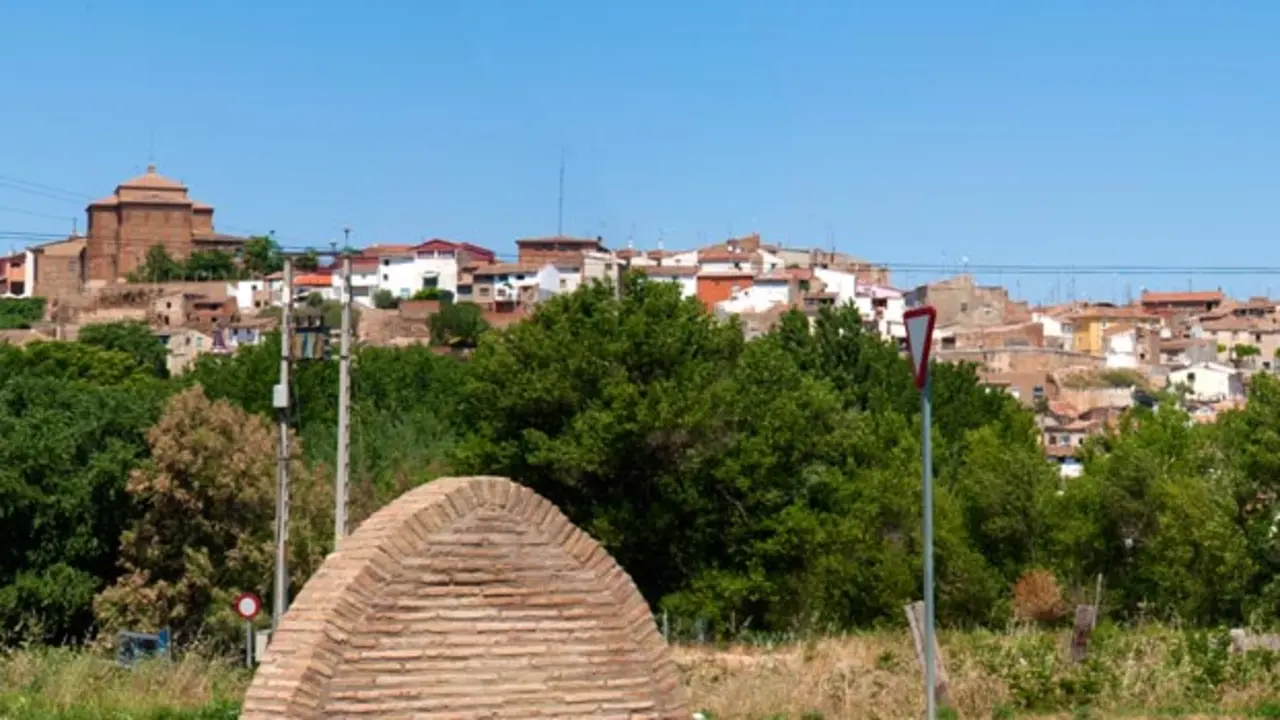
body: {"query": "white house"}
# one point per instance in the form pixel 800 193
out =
pixel 1060 331
pixel 843 284
pixel 437 263
pixel 1209 381
pixel 885 307
pixel 726 259
pixel 686 276
pixel 246 293
pixel 685 258
pixel 771 288
pixel 364 280
pixel 749 300
pixel 398 271
pixel 1122 349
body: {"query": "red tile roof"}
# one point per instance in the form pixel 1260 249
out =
pixel 1179 298
pixel 668 270
pixel 313 280
pixel 507 269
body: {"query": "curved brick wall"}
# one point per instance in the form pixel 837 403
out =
pixel 468 598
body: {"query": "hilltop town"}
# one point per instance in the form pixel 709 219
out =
pixel 1080 365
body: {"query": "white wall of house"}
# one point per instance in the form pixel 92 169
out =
pixel 1064 332
pixel 1209 382
pixel 28 273
pixel 400 274
pixel 843 284
pixel 683 259
pixel 719 266
pixel 770 292
pixel 688 283
pixel 550 282
pixel 770 262
pixel 1122 350
pixel 882 305
pixel 243 290
pixel 755 299
pixel 601 266
pixel 440 267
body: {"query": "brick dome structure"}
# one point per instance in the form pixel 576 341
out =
pixel 468 598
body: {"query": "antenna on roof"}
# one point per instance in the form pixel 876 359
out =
pixel 560 206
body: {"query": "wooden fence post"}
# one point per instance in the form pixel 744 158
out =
pixel 1086 618
pixel 915 618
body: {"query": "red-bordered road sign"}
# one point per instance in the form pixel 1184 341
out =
pixel 248 605
pixel 919 322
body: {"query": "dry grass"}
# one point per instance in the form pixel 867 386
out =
pixel 874 675
pixel 1011 675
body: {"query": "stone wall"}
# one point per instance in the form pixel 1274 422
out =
pixel 468 598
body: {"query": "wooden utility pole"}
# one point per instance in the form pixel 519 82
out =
pixel 280 400
pixel 342 474
pixel 941 695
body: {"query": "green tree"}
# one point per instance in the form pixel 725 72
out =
pixel 261 256
pixel 72 419
pixel 307 262
pixel 158 266
pixel 205 530
pixel 385 300
pixel 458 325
pixel 20 313
pixel 132 338
pixel 206 265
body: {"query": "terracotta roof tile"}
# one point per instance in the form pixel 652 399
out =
pixel 507 269
pixel 667 270
pixel 151 180
pixel 1204 296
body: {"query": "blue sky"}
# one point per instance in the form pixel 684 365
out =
pixel 1085 133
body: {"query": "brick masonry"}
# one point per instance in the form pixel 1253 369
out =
pixel 468 598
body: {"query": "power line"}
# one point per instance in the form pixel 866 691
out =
pixel 44 187
pixel 32 213
pixel 38 192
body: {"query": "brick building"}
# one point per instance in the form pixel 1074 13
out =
pixel 144 212
pixel 961 301
pixel 557 250
pixel 1187 302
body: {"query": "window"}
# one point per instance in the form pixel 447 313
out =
pixel 430 282
pixel 385 277
pixel 484 291
pixel 964 307
pixel 519 277
pixel 386 261
pixel 404 293
pixel 563 283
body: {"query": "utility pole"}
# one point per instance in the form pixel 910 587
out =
pixel 560 207
pixel 342 474
pixel 280 401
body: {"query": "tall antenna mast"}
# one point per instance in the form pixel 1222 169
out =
pixel 560 208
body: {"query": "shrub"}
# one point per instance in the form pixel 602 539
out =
pixel 1037 597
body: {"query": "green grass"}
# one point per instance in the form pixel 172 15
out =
pixel 44 683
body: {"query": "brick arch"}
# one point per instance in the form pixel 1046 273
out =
pixel 468 597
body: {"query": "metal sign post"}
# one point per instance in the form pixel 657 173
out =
pixel 919 322
pixel 248 606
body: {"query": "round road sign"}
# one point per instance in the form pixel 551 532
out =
pixel 248 605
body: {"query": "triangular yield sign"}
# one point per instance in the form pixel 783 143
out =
pixel 919 322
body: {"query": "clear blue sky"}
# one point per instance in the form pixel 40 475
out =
pixel 1085 132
